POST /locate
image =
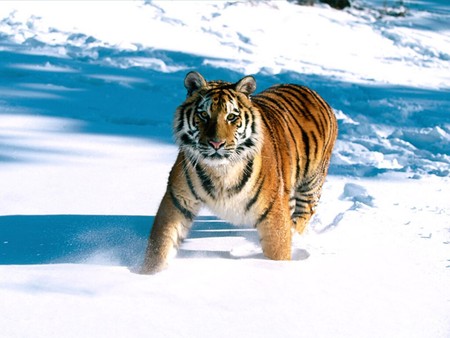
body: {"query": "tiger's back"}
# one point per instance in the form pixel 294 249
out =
pixel 258 160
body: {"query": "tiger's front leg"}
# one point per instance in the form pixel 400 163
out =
pixel 172 223
pixel 274 228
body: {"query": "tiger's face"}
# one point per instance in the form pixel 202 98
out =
pixel 217 124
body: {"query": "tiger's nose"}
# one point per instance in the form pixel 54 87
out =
pixel 216 144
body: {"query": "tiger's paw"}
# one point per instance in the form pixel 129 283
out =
pixel 152 268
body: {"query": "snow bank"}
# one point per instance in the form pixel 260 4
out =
pixel 388 74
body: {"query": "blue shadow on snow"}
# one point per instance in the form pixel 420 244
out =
pixel 140 102
pixel 96 239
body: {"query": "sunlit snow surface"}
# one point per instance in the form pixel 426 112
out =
pixel 87 95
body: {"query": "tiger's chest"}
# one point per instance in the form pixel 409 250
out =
pixel 232 209
pixel 227 192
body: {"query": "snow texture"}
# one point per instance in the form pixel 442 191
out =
pixel 87 96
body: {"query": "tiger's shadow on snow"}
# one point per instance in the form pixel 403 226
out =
pixel 210 237
pixel 116 240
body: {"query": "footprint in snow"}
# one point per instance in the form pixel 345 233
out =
pixel 352 192
pixel 357 194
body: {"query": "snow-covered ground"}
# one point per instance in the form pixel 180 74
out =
pixel 87 95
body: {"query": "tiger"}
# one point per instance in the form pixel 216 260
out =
pixel 257 160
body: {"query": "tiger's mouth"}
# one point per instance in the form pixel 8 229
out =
pixel 213 154
pixel 225 155
pixel 216 156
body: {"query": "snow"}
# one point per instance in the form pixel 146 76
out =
pixel 87 95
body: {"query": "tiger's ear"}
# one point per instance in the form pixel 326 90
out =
pixel 246 85
pixel 194 81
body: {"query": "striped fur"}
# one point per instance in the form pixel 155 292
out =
pixel 257 160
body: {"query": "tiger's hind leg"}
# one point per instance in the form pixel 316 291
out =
pixel 306 198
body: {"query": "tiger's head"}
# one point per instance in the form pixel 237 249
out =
pixel 218 124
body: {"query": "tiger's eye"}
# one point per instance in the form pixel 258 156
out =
pixel 203 114
pixel 231 117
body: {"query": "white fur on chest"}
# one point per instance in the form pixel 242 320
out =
pixel 231 207
pixel 232 210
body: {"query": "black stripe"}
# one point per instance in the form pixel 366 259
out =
pixel 315 142
pixel 295 121
pixel 332 127
pixel 189 182
pixel 245 119
pixel 189 116
pixel 306 94
pixel 247 173
pixel 265 213
pixel 309 193
pixel 255 196
pixel 249 143
pixel 299 98
pixel 292 96
pixel 185 212
pixel 180 123
pixel 294 139
pixel 309 188
pixel 273 102
pixel 320 118
pixel 205 180
pixel 319 99
pixel 278 107
pixel 306 145
pixel 299 201
pixel 271 105
pixel 266 121
pixel 301 214
pixel 181 118
pixel 186 140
